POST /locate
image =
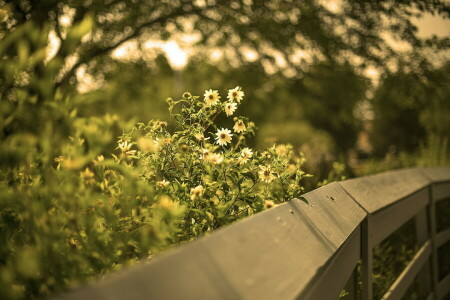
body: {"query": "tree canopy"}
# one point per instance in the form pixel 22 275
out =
pixel 346 30
pixel 409 107
pixel 324 45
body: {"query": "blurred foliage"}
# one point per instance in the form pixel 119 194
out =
pixel 395 252
pixel 74 203
pixel 391 257
pixel 131 90
pixel 88 30
pixel 55 227
pixel 409 107
pixel 294 110
pixel 340 41
pixel 431 153
pixel 329 97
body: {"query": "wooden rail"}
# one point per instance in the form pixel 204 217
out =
pixel 301 250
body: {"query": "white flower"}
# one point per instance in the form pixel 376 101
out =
pixel 223 136
pixel 245 154
pixel 205 154
pixel 230 108
pixel 125 148
pixel 200 137
pixel 239 126
pixel 266 174
pixel 197 192
pixel 162 183
pixel 215 158
pixel 235 94
pixel 211 97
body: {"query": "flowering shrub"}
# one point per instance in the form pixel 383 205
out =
pixel 206 173
pixel 71 210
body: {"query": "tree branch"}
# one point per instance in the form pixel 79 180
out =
pixel 138 30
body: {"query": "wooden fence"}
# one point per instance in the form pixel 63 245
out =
pixel 301 250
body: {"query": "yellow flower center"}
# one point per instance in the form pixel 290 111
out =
pixel 234 94
pixel 223 135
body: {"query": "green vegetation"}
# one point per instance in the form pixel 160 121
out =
pixel 88 212
pixel 414 104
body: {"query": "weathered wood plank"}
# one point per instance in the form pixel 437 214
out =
pixel 290 243
pixel 437 174
pixel 335 275
pixel 273 255
pixel 441 191
pixel 401 284
pixel 333 211
pixel 366 259
pixel 297 249
pixel 390 218
pixel 352 286
pixel 444 287
pixel 185 273
pixel 442 237
pixel 275 258
pixel 378 191
pixel 422 236
pixel 434 256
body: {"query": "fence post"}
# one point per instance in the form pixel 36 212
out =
pixel 366 259
pixel 422 233
pixel 352 285
pixel 434 257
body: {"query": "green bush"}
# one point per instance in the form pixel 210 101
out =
pixel 75 202
pixel 78 211
pixel 432 153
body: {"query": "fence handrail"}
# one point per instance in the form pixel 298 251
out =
pixel 300 250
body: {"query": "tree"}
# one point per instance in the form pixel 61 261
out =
pixel 409 107
pixel 267 27
pixel 87 32
pixel 131 91
pixel 329 94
